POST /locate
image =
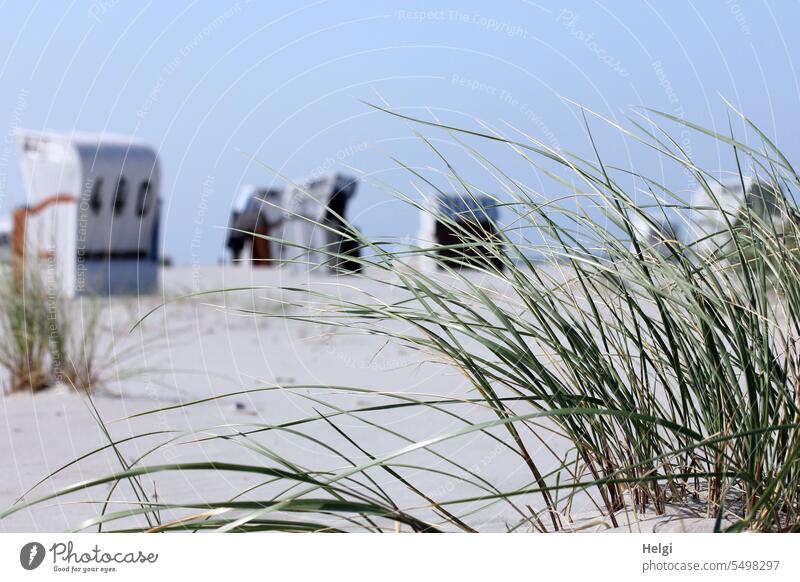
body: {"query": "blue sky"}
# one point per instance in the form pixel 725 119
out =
pixel 212 83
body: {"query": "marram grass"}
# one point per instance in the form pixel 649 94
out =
pixel 670 372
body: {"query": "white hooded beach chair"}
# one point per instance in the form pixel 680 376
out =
pixel 256 215
pixel 307 219
pixel 93 211
pixel 728 204
pixel 455 219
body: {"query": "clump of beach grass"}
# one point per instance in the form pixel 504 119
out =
pixel 669 372
pixel 44 340
pixel 24 349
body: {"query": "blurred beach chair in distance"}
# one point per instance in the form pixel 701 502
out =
pixel 92 214
pixel 747 205
pixel 301 227
pixel 256 214
pixel 655 233
pixel 5 240
pixel 463 231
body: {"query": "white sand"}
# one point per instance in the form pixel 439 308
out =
pixel 189 351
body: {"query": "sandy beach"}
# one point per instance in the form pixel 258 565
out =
pixel 197 348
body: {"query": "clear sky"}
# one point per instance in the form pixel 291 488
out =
pixel 210 84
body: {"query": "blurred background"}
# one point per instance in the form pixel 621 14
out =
pixel 226 90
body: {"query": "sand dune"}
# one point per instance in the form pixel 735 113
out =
pixel 207 346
